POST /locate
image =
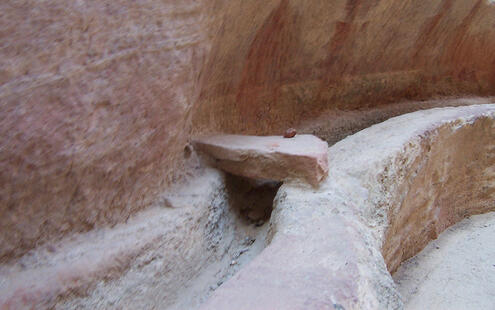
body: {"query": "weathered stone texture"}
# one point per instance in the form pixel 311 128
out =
pixel 276 62
pixel 95 98
pixel 268 157
pixel 393 187
pixel 98 99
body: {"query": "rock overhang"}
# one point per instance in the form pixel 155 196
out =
pixel 268 157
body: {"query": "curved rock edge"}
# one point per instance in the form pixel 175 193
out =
pixel 333 247
pixel 326 243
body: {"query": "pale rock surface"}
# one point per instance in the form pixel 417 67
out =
pixel 171 256
pixel 454 272
pixel 268 157
pixel 146 261
pixel 100 98
pixel 333 247
pixel 391 190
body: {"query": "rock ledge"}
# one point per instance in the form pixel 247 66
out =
pixel 269 157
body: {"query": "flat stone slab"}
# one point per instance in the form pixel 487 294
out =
pixel 268 157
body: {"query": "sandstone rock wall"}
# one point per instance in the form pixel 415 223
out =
pixel 453 178
pixel 276 62
pixel 98 99
pixel 95 101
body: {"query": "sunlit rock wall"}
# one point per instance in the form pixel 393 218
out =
pixel 275 62
pixel 99 98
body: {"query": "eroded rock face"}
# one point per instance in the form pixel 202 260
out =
pixel 275 62
pixel 325 247
pixel 453 178
pixel 269 157
pixel 392 189
pixel 98 99
pixel 93 115
pixel 158 252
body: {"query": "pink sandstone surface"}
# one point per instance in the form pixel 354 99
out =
pixel 394 187
pixel 268 157
pixel 330 247
pixel 99 99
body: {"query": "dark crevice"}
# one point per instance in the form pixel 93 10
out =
pixel 251 200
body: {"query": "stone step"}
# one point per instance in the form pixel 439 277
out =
pixel 268 157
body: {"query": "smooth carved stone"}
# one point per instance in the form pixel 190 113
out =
pixel 270 157
pixel 382 203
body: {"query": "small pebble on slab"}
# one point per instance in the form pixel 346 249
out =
pixel 290 133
